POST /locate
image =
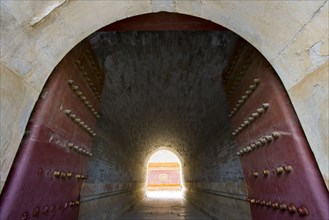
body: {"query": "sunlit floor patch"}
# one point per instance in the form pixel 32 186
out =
pixel 164 209
pixel 165 194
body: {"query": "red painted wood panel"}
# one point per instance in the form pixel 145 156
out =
pixel 163 21
pixel 281 173
pixel 50 167
pixel 163 177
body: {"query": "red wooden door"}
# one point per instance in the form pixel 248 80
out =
pixel 50 166
pixel 281 174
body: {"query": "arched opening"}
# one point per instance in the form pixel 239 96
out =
pixel 164 175
pixel 254 25
pixel 200 180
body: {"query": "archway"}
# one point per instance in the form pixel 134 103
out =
pixel 164 175
pixel 261 50
pixel 57 36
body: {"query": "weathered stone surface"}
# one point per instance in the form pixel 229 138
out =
pixel 109 207
pixel 168 209
pixel 138 7
pixel 13 120
pixel 266 25
pixel 313 91
pixel 307 51
pixel 220 207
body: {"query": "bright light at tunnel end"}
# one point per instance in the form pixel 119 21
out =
pixel 165 194
pixel 165 155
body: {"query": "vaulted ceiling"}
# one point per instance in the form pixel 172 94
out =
pixel 163 88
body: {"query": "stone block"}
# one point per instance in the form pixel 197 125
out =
pixel 311 103
pixel 17 101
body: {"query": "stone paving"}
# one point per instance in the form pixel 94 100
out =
pixel 164 208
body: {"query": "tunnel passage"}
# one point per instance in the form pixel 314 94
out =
pixel 162 89
pixel 166 89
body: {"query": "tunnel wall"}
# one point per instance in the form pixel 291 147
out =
pixel 116 178
pixel 214 180
pixel 115 182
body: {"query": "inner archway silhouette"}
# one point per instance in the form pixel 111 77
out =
pixel 164 175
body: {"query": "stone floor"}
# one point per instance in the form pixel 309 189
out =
pixel 165 209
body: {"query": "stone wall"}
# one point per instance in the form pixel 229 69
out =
pixel 110 206
pixel 215 182
pixel 114 183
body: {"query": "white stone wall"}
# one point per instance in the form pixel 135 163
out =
pixel 292 35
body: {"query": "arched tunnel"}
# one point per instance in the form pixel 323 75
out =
pixel 180 83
